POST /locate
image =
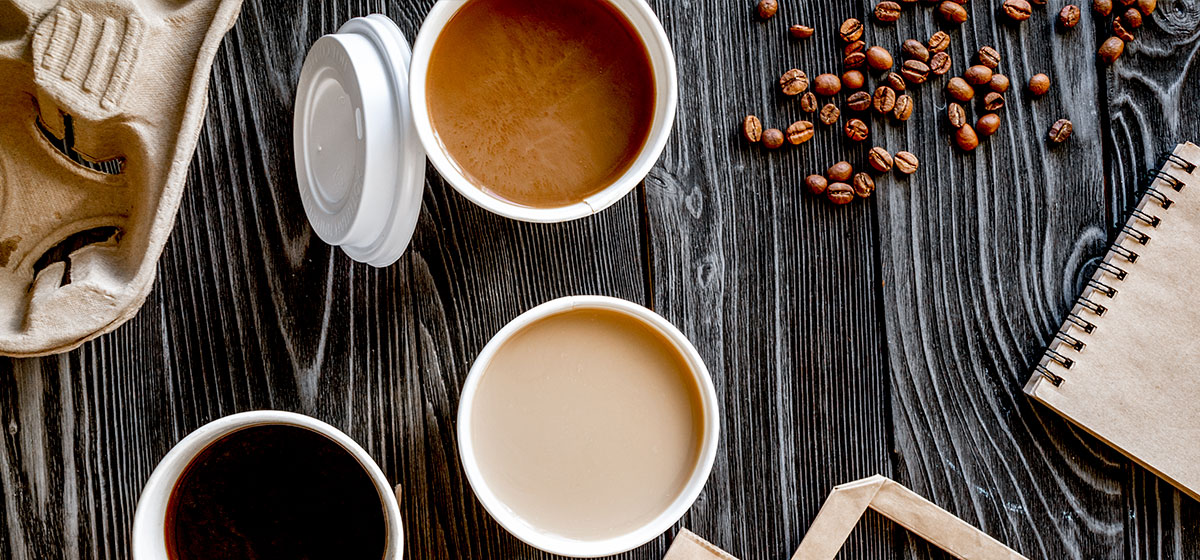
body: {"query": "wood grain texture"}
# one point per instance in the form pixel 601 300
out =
pixel 891 336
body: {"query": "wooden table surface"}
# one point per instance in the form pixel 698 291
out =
pixel 891 336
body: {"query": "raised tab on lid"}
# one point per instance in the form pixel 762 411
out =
pixel 359 165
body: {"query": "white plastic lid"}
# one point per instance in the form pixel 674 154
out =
pixel 359 163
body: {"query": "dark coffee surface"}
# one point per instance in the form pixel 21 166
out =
pixel 275 492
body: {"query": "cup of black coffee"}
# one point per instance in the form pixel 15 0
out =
pixel 267 484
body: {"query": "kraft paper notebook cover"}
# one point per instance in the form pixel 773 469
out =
pixel 1125 366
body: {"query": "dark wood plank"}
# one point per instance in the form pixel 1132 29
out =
pixel 778 290
pixel 1150 111
pixel 982 254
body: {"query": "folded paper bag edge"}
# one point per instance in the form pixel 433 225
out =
pixel 689 546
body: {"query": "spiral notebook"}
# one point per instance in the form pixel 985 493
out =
pixel 1125 365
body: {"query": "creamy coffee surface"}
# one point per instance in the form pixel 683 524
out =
pixel 587 424
pixel 540 103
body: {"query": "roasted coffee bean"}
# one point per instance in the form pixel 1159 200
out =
pixel 857 130
pixel 1039 84
pixel 1102 7
pixel 904 108
pixel 906 162
pixel 1038 2
pixel 952 12
pixel 816 184
pixel 887 11
pixel 767 8
pixel 896 81
pixel 1068 17
pixel 978 75
pixel 939 64
pixel 793 82
pixel 884 100
pixel 965 138
pixel 827 85
pixel 957 115
pixel 1120 31
pixel 853 47
pixel 851 30
pixel 878 58
pixel 1060 131
pixel 915 71
pixel 1017 10
pixel 993 102
pixel 840 193
pixel 988 56
pixel 808 102
pixel 800 132
pixel 939 41
pixel 853 79
pixel 988 124
pixel 829 114
pixel 1147 6
pixel 959 90
pixel 1132 18
pixel 840 172
pixel 915 49
pixel 855 60
pixel 880 159
pixel 1127 3
pixel 752 128
pixel 801 31
pixel 772 138
pixel 999 83
pixel 859 101
pixel 863 185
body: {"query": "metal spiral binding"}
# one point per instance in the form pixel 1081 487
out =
pixel 1154 175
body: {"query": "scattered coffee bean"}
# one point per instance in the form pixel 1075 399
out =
pixel 1147 6
pixel 940 64
pixel 1060 131
pixel 887 11
pixel 915 71
pixel 904 108
pixel 993 102
pixel 884 100
pixel 840 172
pixel 752 128
pixel 793 82
pixel 988 124
pixel 816 184
pixel 808 102
pixel 772 138
pixel 895 81
pixel 1039 84
pixel 800 132
pixel 829 114
pixel 767 8
pixel 1069 16
pixel 1120 31
pixel 999 83
pixel 840 193
pixel 1132 18
pixel 952 12
pixel 957 115
pixel 978 75
pixel 1017 10
pixel 959 90
pixel 855 60
pixel 1102 7
pixel 801 31
pixel 863 185
pixel 1038 2
pixel 857 130
pixel 880 159
pixel 939 41
pixel 915 49
pixel 853 47
pixel 1127 2
pixel 878 58
pixel 853 79
pixel 965 138
pixel 827 85
pixel 851 30
pixel 989 57
pixel 906 162
pixel 859 101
